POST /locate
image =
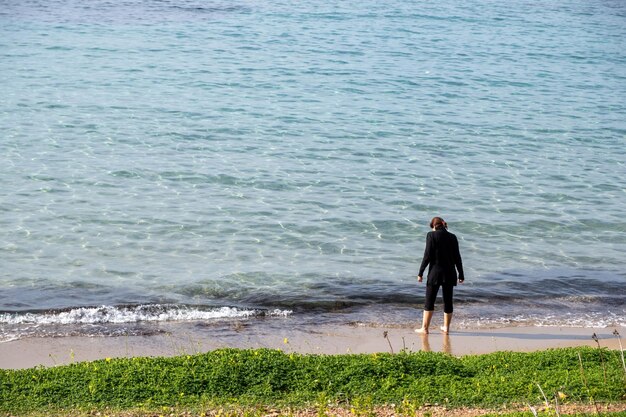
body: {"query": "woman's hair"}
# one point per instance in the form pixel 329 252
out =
pixel 438 223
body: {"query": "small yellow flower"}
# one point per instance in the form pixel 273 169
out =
pixel 286 341
pixel 108 359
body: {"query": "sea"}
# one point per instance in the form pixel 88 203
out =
pixel 199 161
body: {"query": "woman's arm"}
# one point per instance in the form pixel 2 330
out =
pixel 426 258
pixel 458 261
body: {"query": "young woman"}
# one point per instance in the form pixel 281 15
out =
pixel 443 258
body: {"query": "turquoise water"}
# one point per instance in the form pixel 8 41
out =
pixel 187 160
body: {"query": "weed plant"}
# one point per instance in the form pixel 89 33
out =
pixel 272 378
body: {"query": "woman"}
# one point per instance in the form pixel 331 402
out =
pixel 444 259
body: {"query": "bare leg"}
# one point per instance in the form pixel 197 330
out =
pixel 428 315
pixel 447 318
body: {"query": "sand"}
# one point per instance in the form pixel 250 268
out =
pixel 190 338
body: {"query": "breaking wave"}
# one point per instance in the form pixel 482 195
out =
pixel 109 320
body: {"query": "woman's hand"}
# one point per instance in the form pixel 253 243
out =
pixel 420 278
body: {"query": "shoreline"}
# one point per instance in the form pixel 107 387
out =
pixel 176 339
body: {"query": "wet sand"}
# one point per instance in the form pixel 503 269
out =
pixel 190 338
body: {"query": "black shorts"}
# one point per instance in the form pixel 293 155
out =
pixel 431 295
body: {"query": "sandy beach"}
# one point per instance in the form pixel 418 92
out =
pixel 190 338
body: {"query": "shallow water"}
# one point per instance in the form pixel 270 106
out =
pixel 194 155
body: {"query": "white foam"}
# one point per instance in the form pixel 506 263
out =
pixel 142 313
pixel 589 320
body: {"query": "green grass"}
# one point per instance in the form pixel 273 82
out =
pixel 272 378
pixel 552 413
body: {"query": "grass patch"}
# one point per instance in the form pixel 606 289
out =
pixel 271 378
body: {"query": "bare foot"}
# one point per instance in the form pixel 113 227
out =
pixel 421 331
pixel 445 330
